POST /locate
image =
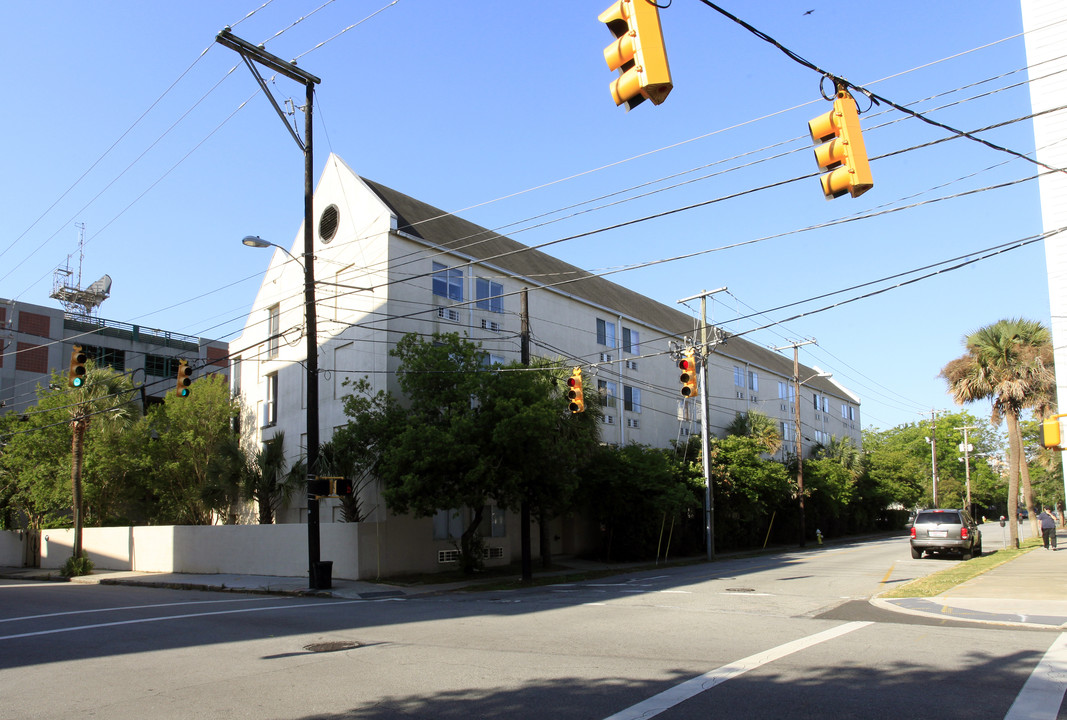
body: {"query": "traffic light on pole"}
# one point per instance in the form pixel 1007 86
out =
pixel 77 367
pixel 185 378
pixel 574 391
pixel 1051 436
pixel 842 151
pixel 342 486
pixel 637 53
pixel 688 377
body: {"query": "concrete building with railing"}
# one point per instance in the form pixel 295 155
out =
pixel 36 340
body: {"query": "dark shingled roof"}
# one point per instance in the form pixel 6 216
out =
pixel 449 232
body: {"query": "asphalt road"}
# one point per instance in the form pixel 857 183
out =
pixel 765 637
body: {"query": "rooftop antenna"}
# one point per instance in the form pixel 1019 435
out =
pixel 69 291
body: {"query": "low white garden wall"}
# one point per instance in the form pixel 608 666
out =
pixel 242 549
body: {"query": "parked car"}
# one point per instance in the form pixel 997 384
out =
pixel 945 530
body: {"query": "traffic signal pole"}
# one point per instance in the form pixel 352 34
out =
pixel 705 415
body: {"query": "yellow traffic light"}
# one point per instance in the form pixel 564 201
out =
pixel 688 378
pixel 185 378
pixel 76 377
pixel 574 391
pixel 1050 432
pixel 637 53
pixel 842 151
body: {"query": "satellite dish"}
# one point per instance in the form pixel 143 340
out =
pixel 101 287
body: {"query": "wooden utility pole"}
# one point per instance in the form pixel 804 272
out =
pixel 797 438
pixel 524 506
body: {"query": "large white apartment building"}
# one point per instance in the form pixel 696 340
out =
pixel 387 264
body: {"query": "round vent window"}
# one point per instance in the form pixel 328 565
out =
pixel 328 222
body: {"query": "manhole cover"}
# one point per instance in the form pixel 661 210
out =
pixel 740 589
pixel 334 646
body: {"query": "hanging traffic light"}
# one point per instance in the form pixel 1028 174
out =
pixel 637 53
pixel 688 378
pixel 842 152
pixel 185 378
pixel 574 391
pixel 76 378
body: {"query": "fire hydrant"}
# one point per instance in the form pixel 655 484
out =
pixel 818 536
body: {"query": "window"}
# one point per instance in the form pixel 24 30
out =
pixel 160 366
pixel 787 432
pixel 786 391
pixel 493 523
pixel 448 282
pixel 631 341
pixel 631 398
pixel 753 381
pixel 844 411
pixel 825 404
pixel 605 333
pixel 815 400
pixel 489 295
pixel 447 525
pixel 31 358
pixel 739 376
pixel 270 408
pixel 851 413
pixel 274 324
pixel 109 357
pixel 448 314
pixel 608 392
pixel 235 375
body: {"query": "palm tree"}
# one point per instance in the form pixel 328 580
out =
pixel 1010 363
pixel 105 397
pixel 759 427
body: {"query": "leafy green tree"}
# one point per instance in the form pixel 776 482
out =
pixel 1009 363
pixel 467 436
pixel 633 492
pixel 188 432
pixel 749 490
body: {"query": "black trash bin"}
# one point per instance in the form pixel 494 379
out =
pixel 322 575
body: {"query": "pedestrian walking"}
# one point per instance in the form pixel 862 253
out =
pixel 1048 528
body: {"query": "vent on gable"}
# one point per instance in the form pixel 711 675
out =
pixel 328 222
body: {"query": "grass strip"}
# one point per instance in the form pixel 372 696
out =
pixel 946 579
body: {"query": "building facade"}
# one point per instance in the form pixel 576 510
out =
pixel 36 340
pixel 387 264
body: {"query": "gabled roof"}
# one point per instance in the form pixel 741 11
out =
pixel 450 232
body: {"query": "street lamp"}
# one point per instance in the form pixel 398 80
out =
pixel 316 578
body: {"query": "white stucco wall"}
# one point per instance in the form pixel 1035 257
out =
pixel 1045 25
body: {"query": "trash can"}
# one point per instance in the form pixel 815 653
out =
pixel 322 575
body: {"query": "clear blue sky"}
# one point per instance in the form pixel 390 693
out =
pixel 500 111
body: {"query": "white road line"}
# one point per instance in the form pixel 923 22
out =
pixel 126 607
pixel 1042 694
pixel 690 688
pixel 164 618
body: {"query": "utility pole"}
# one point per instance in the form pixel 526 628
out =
pixel 705 414
pixel 252 53
pixel 797 444
pixel 967 460
pixel 933 453
pixel 524 505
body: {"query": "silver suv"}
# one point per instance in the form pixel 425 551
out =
pixel 945 530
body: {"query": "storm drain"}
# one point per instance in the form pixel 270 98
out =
pixel 740 590
pixel 335 646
